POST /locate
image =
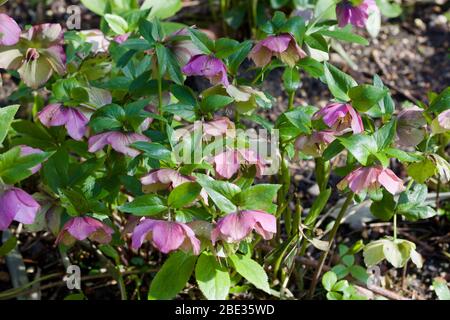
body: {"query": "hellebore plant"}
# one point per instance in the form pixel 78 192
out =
pixel 130 159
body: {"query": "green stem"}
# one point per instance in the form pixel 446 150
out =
pixel 160 93
pixel 291 100
pixel 395 226
pixel 330 242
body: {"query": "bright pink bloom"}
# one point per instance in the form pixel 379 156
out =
pixel 357 15
pixel 119 141
pixel 26 151
pixel 282 46
pixel 371 178
pixel 237 226
pixel 167 236
pixel 80 228
pixel 315 144
pixel 340 116
pixel 9 31
pixel 210 67
pixel 228 162
pixel 16 204
pixel 55 115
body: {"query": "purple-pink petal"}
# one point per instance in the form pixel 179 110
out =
pixel 76 124
pixel 203 65
pixel 25 151
pixel 16 204
pixel 9 30
pixel 227 163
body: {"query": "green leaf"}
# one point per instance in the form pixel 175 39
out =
pixel 162 9
pixel 366 96
pixel 344 34
pixel 386 134
pixel 338 82
pixel 215 102
pixel 441 102
pixel 251 271
pixel 384 209
pixel 212 278
pixel 15 168
pixel 341 271
pixel 172 277
pixel 293 123
pixel 440 286
pixel 291 79
pixel 235 60
pixel 8 246
pixel 6 117
pixel 329 279
pixel 258 197
pixel 388 8
pixel 219 191
pixel 361 146
pixel 107 118
pixel 401 155
pixel 387 105
pixel 201 40
pixel 96 6
pixel 117 24
pixel 373 253
pixel 153 150
pixel 225 47
pixel 422 171
pixel 411 204
pixel 146 205
pixel 359 273
pixel 184 194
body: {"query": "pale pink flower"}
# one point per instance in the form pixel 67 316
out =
pixel 237 226
pixel 16 204
pixel 80 228
pixel 340 116
pixel 166 236
pixel 119 141
pixel 74 120
pixel 371 178
pixel 357 15
pixel 9 30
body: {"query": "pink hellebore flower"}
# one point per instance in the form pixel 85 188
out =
pixel 55 115
pixel 9 31
pixel 410 127
pixel 80 228
pixel 218 127
pixel 16 204
pixel 162 179
pixel 167 236
pixel 182 46
pixel 442 122
pixel 340 116
pixel 237 226
pixel 26 151
pixel 228 162
pixel 356 15
pixel 119 141
pixel 314 144
pixel 282 46
pixel 365 178
pixel 210 67
pixel 38 54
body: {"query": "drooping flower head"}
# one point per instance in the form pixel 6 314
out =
pixel 315 144
pixel 166 236
pixel 119 141
pixel 80 228
pixel 354 12
pixel 228 162
pixel 210 67
pixel 9 30
pixel 282 46
pixel 26 151
pixel 16 204
pixel 371 178
pixel 410 127
pixel 340 116
pixel 237 226
pixel 55 115
pixel 38 54
pixel 182 46
pixel 442 122
pixel 162 179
